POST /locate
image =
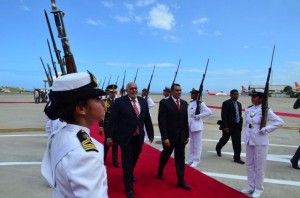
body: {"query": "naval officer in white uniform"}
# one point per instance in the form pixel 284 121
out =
pixel 257 142
pixel 196 128
pixel 73 162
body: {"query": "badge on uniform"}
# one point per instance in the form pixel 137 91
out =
pixel 86 141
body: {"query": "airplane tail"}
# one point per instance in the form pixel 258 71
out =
pixel 297 86
pixel 244 89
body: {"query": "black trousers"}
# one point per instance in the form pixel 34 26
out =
pixel 235 134
pixel 296 156
pixel 130 155
pixel 114 151
pixel 179 156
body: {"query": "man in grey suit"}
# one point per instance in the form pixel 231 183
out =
pixel 174 130
pixel 129 115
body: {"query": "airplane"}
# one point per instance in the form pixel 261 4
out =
pixel 244 90
pixel 222 93
pixel 297 87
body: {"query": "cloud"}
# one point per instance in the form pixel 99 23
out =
pixel 161 18
pixel 218 33
pixel 122 19
pixel 24 7
pixel 170 38
pixel 92 22
pixel 138 19
pixel 107 4
pixel 144 2
pixel 129 6
pixel 200 21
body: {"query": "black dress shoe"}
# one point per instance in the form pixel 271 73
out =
pixel 160 174
pixel 130 194
pixel 239 161
pixel 116 164
pixel 295 165
pixel 218 152
pixel 184 186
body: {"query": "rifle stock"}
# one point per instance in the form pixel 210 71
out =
pixel 199 96
pixel 264 105
pixel 148 88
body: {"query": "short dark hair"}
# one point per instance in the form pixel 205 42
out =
pixel 233 91
pixel 173 85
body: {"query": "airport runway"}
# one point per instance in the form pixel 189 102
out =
pixel 23 140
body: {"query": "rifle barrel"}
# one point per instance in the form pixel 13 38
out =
pixel 176 73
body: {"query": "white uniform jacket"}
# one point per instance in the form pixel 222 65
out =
pixel 196 121
pixel 252 134
pixel 150 102
pixel 70 169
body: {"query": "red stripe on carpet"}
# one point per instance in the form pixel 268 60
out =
pixel 149 186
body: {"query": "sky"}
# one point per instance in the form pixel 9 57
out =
pixel 108 37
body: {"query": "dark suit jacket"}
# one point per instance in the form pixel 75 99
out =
pixel 173 124
pixel 123 117
pixel 228 114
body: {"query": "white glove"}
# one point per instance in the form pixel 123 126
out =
pixel 197 117
pixel 263 130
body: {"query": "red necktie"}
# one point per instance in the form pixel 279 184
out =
pixel 178 104
pixel 137 113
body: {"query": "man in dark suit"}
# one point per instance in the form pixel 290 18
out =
pixel 108 104
pixel 174 130
pixel 232 122
pixel 129 115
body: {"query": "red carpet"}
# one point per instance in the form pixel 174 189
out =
pixel 148 186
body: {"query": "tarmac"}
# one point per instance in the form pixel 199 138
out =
pixel 23 141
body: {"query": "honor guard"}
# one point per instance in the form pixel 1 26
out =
pixel 256 140
pixel 196 128
pixel 108 103
pixel 166 92
pixel 73 162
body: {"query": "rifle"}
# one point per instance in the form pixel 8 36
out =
pixel 264 105
pixel 99 82
pixel 199 96
pixel 47 75
pixel 103 83
pixel 176 73
pixel 109 80
pixel 117 80
pixel 53 62
pixel 123 90
pixel 148 88
pixel 57 52
pixel 68 56
pixel 50 73
pixel 136 74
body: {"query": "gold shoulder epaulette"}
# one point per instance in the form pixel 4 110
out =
pixel 86 141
